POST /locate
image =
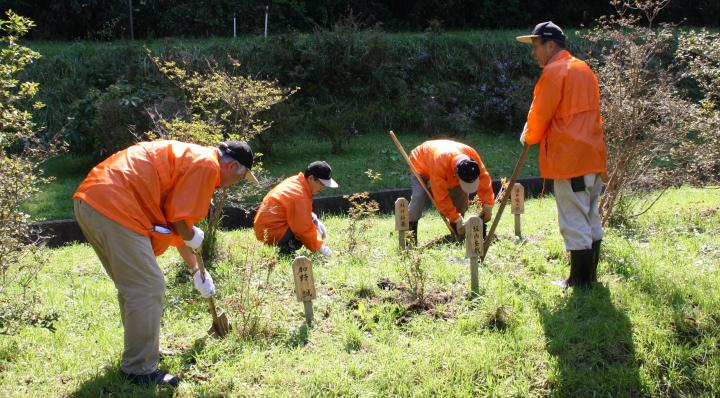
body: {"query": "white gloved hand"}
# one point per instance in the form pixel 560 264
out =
pixel 460 227
pixel 325 251
pixel 522 136
pixel 197 238
pixel 206 288
pixel 320 226
pixel 486 213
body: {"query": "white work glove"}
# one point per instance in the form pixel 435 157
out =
pixel 197 238
pixel 486 212
pixel 460 227
pixel 325 251
pixel 522 136
pixel 320 226
pixel 206 288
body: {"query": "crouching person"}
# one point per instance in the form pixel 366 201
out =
pixel 131 208
pixel 285 217
pixel 454 171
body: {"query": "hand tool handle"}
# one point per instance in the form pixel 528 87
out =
pixel 201 266
pixel 420 180
pixel 506 195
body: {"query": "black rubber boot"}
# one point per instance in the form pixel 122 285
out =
pixel 412 236
pixel 582 262
pixel 596 260
pixel 580 269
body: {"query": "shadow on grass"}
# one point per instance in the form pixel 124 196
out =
pixel 112 383
pixel 592 341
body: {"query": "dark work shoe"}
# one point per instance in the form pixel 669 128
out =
pixel 157 377
pixel 412 235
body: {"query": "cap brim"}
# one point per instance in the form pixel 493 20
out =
pixel 330 183
pixel 250 177
pixel 526 39
pixel 470 187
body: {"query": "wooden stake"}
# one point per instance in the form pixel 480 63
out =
pixel 304 285
pixel 402 220
pixel 517 198
pixel 474 249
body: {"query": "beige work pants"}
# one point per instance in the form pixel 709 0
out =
pixel 419 199
pixel 130 262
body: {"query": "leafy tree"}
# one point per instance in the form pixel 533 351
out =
pixel 219 105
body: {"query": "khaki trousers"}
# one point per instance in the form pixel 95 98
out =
pixel 130 262
pixel 419 199
pixel 578 213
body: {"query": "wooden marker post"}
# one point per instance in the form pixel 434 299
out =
pixel 517 197
pixel 474 249
pixel 304 285
pixel 402 220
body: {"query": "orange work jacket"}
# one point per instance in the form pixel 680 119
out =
pixel 154 183
pixel 288 205
pixel 435 161
pixel 565 119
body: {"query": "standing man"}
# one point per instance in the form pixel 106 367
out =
pixel 285 217
pixel 565 119
pixel 454 171
pixel 135 204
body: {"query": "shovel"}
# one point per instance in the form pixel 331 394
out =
pixel 220 326
pixel 491 234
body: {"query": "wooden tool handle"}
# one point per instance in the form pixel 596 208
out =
pixel 201 266
pixel 506 195
pixel 420 180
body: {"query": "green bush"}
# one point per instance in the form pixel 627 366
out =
pixel 351 81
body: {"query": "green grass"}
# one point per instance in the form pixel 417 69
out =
pixel 376 151
pixel 651 328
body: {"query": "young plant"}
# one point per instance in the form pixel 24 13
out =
pixel 414 274
pixel 361 208
pixel 249 303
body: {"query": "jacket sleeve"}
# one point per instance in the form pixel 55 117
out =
pixel 300 222
pixel 442 198
pixel 548 92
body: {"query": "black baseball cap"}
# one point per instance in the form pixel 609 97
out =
pixel 322 171
pixel 241 152
pixel 544 30
pixel 468 172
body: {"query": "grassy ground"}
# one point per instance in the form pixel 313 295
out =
pixel 650 328
pixel 372 151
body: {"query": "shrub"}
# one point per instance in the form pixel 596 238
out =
pixel 21 151
pixel 646 116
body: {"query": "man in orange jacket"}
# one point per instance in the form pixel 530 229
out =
pixel 565 120
pixel 135 204
pixel 285 217
pixel 454 171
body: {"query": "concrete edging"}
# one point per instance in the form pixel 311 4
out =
pixel 60 232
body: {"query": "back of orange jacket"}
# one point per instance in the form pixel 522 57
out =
pixel 435 160
pixel 288 205
pixel 565 119
pixel 154 183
